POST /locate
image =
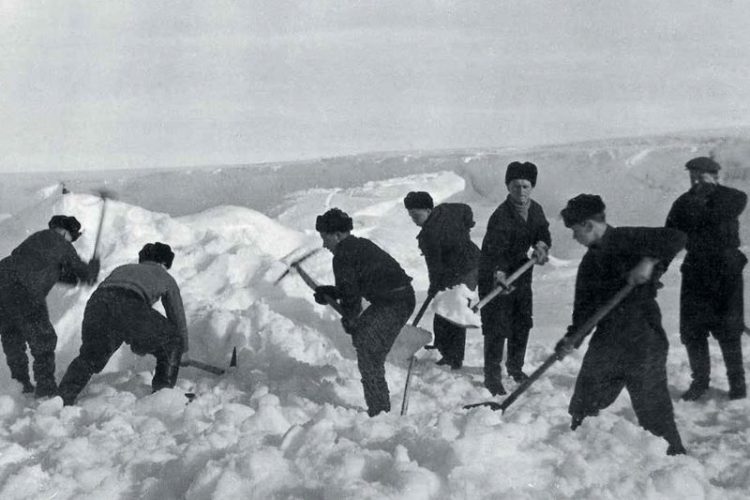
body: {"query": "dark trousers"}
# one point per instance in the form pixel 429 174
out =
pixel 114 316
pixel 711 303
pixel 450 340
pixel 507 317
pixel 377 329
pixel 24 320
pixel 639 367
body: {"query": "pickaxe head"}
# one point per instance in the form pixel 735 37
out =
pixel 295 263
pixel 105 194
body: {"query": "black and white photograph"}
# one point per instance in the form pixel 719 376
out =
pixel 348 249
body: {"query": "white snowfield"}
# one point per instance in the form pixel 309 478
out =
pixel 289 422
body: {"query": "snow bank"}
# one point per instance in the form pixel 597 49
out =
pixel 289 421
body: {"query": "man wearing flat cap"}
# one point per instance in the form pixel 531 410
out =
pixel 628 347
pixel 26 277
pixel 451 258
pixel 364 270
pixel 517 226
pixel 711 296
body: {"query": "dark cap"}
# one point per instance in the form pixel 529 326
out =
pixel 581 208
pixel 333 221
pixel 418 199
pixel 157 252
pixel 518 170
pixel 69 223
pixel 703 164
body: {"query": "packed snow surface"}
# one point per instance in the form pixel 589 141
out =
pixel 288 421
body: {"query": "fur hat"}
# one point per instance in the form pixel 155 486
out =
pixel 518 170
pixel 333 221
pixel 418 199
pixel 157 252
pixel 582 207
pixel 703 164
pixel 69 223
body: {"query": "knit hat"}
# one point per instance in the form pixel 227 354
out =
pixel 69 223
pixel 518 170
pixel 333 221
pixel 703 164
pixel 418 199
pixel 581 208
pixel 157 252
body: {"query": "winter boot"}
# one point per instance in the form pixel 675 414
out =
pixel 700 365
pixel 732 352
pixel 28 387
pixel 518 376
pixel 495 386
pixel 167 369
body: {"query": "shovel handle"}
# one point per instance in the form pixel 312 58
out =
pixel 313 285
pixel 504 287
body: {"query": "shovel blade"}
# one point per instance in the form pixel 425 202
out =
pixel 410 339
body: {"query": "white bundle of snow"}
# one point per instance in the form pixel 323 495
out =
pixel 454 304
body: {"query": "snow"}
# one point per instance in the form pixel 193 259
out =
pixel 288 421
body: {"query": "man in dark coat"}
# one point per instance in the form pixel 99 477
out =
pixel 451 258
pixel 120 310
pixel 26 277
pixel 516 226
pixel 711 299
pixel 629 346
pixel 364 270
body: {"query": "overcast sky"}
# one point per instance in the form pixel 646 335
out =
pixel 131 84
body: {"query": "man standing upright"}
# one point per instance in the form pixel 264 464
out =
pixel 628 348
pixel 711 297
pixel 364 270
pixel 26 277
pixel 516 226
pixel 451 258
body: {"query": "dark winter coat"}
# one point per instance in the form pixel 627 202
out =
pixel 711 296
pixel 364 270
pixel 42 260
pixel 508 240
pixel 451 257
pixel 629 346
pixel 603 272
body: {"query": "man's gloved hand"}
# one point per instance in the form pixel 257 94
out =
pixel 563 348
pixel 350 325
pixel 94 267
pixel 323 291
pixel 500 278
pixel 642 272
pixel 541 252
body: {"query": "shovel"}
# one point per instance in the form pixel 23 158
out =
pixel 574 339
pixel 408 341
pixel 413 358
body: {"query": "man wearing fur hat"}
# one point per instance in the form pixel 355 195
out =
pixel 364 270
pixel 120 310
pixel 711 298
pixel 26 277
pixel 515 227
pixel 628 348
pixel 451 258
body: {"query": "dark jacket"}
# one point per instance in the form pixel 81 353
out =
pixel 445 242
pixel 364 270
pixel 152 282
pixel 603 272
pixel 710 221
pixel 43 259
pixel 508 240
pixel 712 289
